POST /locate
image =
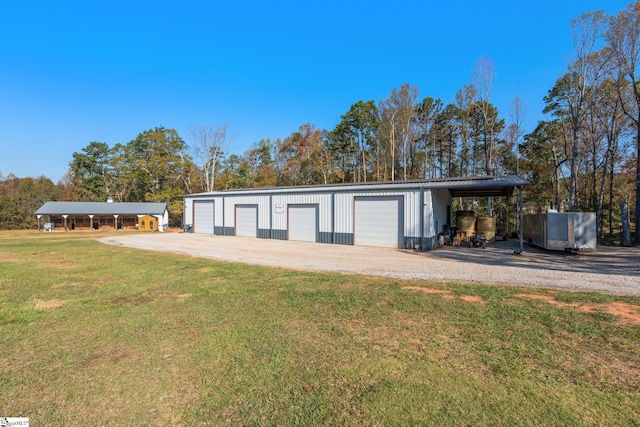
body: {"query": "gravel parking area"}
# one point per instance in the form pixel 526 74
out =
pixel 607 270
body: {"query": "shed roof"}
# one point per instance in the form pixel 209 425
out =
pixel 101 208
pixel 477 186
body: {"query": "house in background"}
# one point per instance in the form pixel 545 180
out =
pixel 103 216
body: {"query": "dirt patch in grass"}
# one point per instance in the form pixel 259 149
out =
pixel 5 257
pixel 48 305
pixel 624 311
pixel 446 294
pixel 133 300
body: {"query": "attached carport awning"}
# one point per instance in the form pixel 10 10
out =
pixel 482 186
pixel 486 186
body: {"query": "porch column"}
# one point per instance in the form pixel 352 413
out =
pixel 115 221
pixel 520 189
pixel 506 232
pixel 91 222
pixel 39 216
pixel 65 221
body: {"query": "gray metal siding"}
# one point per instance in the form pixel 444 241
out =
pixel 422 211
pixel 325 237
pixel 343 238
pixel 279 234
pixel 261 201
pixel 281 202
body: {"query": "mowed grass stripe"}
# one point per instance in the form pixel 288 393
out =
pixel 95 334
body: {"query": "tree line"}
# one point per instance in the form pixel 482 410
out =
pixel 583 157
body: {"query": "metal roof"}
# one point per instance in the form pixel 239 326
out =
pixel 482 186
pixel 101 208
pixel 478 186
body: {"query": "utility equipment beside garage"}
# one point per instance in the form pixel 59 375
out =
pixel 562 231
pixel 400 214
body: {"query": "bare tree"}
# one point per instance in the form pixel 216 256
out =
pixel 403 102
pixel 483 79
pixel 568 99
pixel 587 30
pixel 623 37
pixel 387 138
pixel 517 115
pixel 209 143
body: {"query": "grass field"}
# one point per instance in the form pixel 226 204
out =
pixel 99 335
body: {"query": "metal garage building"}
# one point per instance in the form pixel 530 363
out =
pixel 401 214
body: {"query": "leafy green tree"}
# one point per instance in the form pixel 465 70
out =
pixel 235 173
pixel 360 124
pixel 92 172
pixel 21 197
pixel 543 156
pixel 446 135
pixel 300 157
pixel 343 151
pixel 156 158
pixel 426 114
pixel 260 159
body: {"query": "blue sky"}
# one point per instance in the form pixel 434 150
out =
pixel 73 72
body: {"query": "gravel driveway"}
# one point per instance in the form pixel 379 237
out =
pixel 608 270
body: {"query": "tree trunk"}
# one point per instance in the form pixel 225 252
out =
pixel 573 167
pixel 612 175
pixel 626 228
pixel 638 180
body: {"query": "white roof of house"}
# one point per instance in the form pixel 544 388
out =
pixel 101 208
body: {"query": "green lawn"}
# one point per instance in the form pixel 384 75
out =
pixel 92 334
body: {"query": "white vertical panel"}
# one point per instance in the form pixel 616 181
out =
pixel 344 213
pixel 188 212
pixel 441 198
pixel 219 213
pixel 429 221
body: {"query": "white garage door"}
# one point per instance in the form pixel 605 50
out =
pixel 303 223
pixel 247 221
pixel 203 216
pixel 378 222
